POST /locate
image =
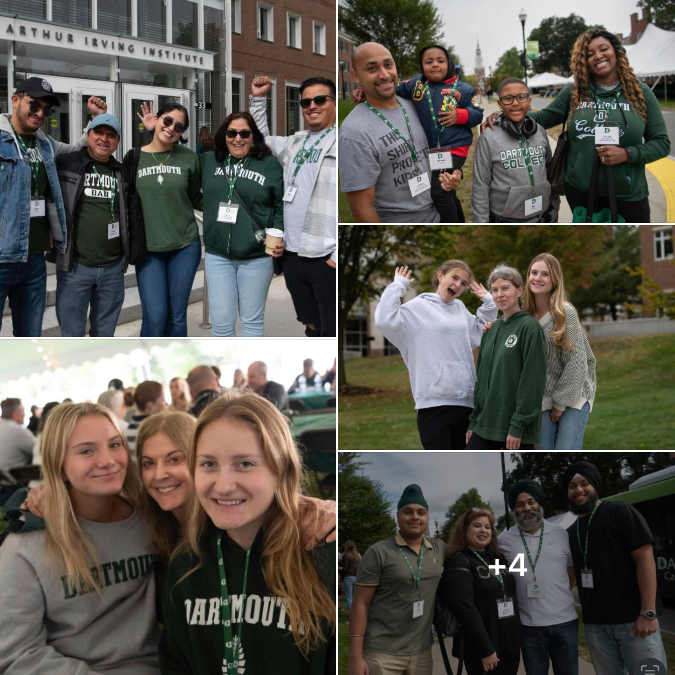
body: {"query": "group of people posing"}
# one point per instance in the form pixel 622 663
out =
pixel 535 380
pixel 403 146
pixel 268 206
pixel 523 606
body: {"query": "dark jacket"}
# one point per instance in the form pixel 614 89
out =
pixel 138 249
pixel 71 168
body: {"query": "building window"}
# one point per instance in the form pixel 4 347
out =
pixel 343 46
pixel 152 20
pixel 33 8
pixel 345 66
pixel 663 244
pixel 185 19
pixel 356 335
pixel 213 22
pixel 348 89
pixel 236 16
pixel 72 12
pixel 114 16
pixel 265 23
pixel 294 31
pixel 293 114
pixel 319 38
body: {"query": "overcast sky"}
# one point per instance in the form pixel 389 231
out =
pixel 495 24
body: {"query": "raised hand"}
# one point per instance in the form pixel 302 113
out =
pixel 96 105
pixel 478 290
pixel 403 272
pixel 260 86
pixel 148 115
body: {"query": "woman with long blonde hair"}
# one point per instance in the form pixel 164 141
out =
pixel 79 596
pixel 181 401
pixel 244 592
pixel 570 362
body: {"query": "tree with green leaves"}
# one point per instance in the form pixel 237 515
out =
pixel 661 12
pixel 510 64
pixel 402 26
pixel 364 513
pixel 556 36
pixel 467 501
pixel 654 299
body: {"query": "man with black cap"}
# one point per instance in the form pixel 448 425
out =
pixel 393 607
pixel 612 549
pixel 545 600
pixel 30 201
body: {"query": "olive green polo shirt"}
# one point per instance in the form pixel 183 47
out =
pixel 391 628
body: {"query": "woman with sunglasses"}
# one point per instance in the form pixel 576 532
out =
pixel 243 188
pixel 164 180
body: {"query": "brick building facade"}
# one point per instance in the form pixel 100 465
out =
pixel 656 244
pixel 637 28
pixel 346 46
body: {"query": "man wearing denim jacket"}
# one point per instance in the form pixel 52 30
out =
pixel 31 207
pixel 310 208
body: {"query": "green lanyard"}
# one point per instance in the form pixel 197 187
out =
pixel 584 552
pixel 231 656
pixel 416 579
pixel 527 550
pixel 433 114
pixel 112 194
pixel 303 155
pixel 497 577
pixel 528 161
pixel 397 132
pixel 237 171
pixel 34 165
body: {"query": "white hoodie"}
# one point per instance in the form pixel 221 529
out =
pixel 435 339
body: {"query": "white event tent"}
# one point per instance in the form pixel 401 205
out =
pixel 654 54
pixel 548 80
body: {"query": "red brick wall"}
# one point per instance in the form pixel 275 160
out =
pixel 347 57
pixel 274 59
pixel 662 271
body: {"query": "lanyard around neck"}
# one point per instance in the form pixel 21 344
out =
pixel 113 192
pixel 416 579
pixel 528 160
pixel 584 551
pixel 498 577
pixel 410 142
pixel 439 128
pixel 304 155
pixel 527 550
pixel 236 172
pixel 34 163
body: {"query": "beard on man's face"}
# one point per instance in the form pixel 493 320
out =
pixel 586 507
pixel 530 520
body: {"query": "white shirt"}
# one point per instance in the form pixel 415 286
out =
pixel 557 604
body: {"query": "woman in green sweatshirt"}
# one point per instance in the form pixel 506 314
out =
pixel 511 373
pixel 606 93
pixel 243 187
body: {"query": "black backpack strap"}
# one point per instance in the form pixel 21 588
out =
pixel 590 208
pixel 611 189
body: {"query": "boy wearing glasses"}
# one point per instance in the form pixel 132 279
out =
pixel 30 202
pixel 509 167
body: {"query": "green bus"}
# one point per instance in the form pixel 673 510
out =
pixel 654 497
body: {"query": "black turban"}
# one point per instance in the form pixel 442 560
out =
pixel 585 469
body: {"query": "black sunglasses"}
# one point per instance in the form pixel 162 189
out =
pixel 177 126
pixel 319 100
pixel 233 133
pixel 36 107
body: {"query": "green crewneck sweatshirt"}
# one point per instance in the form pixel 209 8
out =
pixel 603 108
pixel 511 377
pixel 192 642
pixel 260 184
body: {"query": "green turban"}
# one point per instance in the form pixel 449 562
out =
pixel 531 487
pixel 412 495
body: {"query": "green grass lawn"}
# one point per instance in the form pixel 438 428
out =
pixel 632 409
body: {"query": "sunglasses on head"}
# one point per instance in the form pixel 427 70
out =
pixel 178 127
pixel 318 100
pixel 36 107
pixel 244 133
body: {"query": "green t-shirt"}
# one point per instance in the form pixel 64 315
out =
pixel 38 235
pixel 92 247
pixel 169 185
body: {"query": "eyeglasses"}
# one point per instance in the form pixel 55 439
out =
pixel 36 107
pixel 244 133
pixel 318 100
pixel 508 100
pixel 177 126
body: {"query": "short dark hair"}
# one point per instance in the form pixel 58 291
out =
pixel 511 80
pixel 259 148
pixel 169 107
pixel 9 406
pixel 147 392
pixel 116 383
pixel 311 81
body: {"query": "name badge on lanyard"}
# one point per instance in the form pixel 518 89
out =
pixel 586 578
pixel 534 205
pixel 418 608
pixel 505 608
pixel 37 207
pixel 535 590
pixel 419 184
pixel 606 135
pixel 440 159
pixel 227 213
pixel 113 230
pixel 289 195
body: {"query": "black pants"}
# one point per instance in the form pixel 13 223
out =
pixel 631 212
pixel 443 427
pixel 508 663
pixel 311 283
pixel 443 201
pixel 478 443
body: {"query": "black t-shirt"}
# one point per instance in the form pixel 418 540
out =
pixel 617 530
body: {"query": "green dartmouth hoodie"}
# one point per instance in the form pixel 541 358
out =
pixel 192 640
pixel 511 379
pixel 629 177
pixel 261 186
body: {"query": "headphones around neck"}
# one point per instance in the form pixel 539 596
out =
pixel 528 128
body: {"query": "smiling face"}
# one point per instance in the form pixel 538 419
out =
pixel 479 533
pixel 528 513
pixel 165 472
pixel 234 484
pixel 318 117
pixel 29 121
pixel 601 59
pixel 452 284
pixel 239 147
pixel 435 64
pixel 96 460
pixel 516 110
pixel 413 520
pixel 506 295
pixel 168 134
pixel 581 496
pixel 539 280
pixel 375 71
pixel 102 141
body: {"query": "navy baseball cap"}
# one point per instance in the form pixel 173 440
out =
pixel 109 121
pixel 36 87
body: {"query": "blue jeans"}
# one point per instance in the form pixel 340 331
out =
pixel 349 583
pixel 164 283
pixel 568 433
pixel 614 653
pixel 102 287
pixel 238 283
pixel 559 642
pixel 25 283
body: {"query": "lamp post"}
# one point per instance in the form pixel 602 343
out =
pixel 522 16
pixel 342 75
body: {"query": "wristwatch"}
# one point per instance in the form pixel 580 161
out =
pixel 648 613
pixel 629 157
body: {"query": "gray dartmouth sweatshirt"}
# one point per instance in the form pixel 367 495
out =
pixel 501 182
